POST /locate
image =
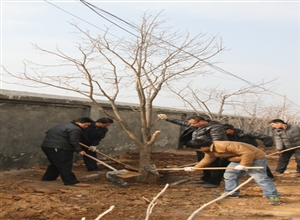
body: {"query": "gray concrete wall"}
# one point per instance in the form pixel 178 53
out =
pixel 25 118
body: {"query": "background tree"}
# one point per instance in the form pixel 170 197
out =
pixel 260 110
pixel 110 68
pixel 218 104
pixel 250 107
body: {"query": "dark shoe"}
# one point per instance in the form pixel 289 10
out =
pixel 277 174
pixel 210 186
pixel 274 200
pixel 229 196
pixel 198 182
pixel 96 169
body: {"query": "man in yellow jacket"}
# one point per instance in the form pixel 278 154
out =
pixel 240 155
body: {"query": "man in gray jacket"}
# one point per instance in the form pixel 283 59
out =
pixel 59 145
pixel 286 136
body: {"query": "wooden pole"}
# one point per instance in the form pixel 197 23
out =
pixel 208 168
pixel 113 159
pixel 279 152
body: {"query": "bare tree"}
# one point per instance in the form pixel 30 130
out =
pixel 108 67
pixel 256 113
pixel 250 115
pixel 219 104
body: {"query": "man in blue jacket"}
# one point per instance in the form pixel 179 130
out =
pixel 59 145
pixel 92 137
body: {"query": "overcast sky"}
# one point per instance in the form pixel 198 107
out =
pixel 262 38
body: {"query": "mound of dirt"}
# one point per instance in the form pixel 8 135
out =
pixel 25 196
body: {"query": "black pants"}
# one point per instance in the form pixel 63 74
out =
pixel 90 163
pixel 213 176
pixel 284 159
pixel 61 163
pixel 269 173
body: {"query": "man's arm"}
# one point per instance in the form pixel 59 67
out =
pixel 74 138
pixel 208 159
pixel 266 139
pixel 179 122
pixel 97 135
pixel 278 143
pixel 174 121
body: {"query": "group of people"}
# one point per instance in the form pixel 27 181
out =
pixel 216 144
pixel 222 145
pixel 63 140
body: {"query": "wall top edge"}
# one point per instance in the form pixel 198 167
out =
pixel 42 97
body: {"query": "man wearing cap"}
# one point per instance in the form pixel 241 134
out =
pixel 240 155
pixel 249 137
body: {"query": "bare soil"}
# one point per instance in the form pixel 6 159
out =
pixel 25 196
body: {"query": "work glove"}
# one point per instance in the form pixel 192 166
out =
pixel 279 152
pixel 93 148
pixel 239 167
pixel 189 169
pixel 162 116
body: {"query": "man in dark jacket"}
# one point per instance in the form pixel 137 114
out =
pixel 59 145
pixel 249 137
pixel 286 136
pixel 92 137
pixel 199 130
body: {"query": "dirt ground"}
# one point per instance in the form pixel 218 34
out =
pixel 24 196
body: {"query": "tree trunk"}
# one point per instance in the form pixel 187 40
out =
pixel 144 159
